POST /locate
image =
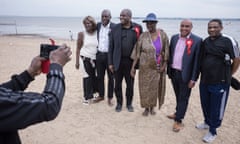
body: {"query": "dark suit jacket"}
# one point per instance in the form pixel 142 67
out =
pixel 114 54
pixel 99 27
pixel 190 62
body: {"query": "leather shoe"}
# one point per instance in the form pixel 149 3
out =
pixel 177 126
pixel 130 108
pixel 110 103
pixel 98 99
pixel 172 116
pixel 118 108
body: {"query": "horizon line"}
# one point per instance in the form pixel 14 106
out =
pixel 134 17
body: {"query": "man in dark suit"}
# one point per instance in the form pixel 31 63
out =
pixel 122 40
pixel 103 29
pixel 183 69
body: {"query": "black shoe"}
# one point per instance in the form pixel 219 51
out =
pixel 130 108
pixel 118 108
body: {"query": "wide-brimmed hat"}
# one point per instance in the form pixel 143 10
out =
pixel 150 17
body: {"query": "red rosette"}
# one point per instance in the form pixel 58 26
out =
pixel 189 43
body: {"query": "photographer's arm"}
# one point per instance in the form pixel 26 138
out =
pixel 21 81
pixel 20 109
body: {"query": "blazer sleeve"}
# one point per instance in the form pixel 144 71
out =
pixel 111 48
pixel 171 51
pixel 196 60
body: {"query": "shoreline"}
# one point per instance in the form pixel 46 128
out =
pixel 23 35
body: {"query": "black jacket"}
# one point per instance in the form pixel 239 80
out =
pixel 114 54
pixel 20 109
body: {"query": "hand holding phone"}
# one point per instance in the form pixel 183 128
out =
pixel 45 50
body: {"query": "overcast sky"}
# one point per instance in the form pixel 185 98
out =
pixel 140 8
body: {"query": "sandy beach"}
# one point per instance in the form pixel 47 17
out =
pixel 99 123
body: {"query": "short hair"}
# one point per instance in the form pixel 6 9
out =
pixel 107 11
pixel 91 20
pixel 217 21
pixel 128 12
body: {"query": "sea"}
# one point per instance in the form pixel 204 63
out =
pixel 67 27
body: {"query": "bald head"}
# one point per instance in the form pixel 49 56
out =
pixel 185 27
pixel 188 21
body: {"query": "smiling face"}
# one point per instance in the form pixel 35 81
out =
pixel 185 28
pixel 151 26
pixel 214 29
pixel 88 26
pixel 106 16
pixel 125 17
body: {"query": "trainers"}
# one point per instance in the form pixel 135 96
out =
pixel 209 137
pixel 86 102
pixel 202 126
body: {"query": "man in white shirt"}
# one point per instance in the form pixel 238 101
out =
pixel 103 29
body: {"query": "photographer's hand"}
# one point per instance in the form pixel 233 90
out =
pixel 35 66
pixel 61 55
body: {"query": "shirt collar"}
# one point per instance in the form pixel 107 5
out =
pixel 188 36
pixel 107 26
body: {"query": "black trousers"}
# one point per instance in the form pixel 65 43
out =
pixel 90 82
pixel 182 93
pixel 102 67
pixel 10 138
pixel 124 72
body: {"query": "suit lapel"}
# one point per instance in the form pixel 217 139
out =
pixel 175 40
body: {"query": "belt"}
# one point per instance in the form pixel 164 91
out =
pixel 99 52
pixel 175 70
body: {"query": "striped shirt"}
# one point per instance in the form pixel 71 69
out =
pixel 235 46
pixel 20 109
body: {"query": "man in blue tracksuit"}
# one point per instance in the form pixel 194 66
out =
pixel 219 61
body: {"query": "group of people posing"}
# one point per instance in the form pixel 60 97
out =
pixel 121 49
